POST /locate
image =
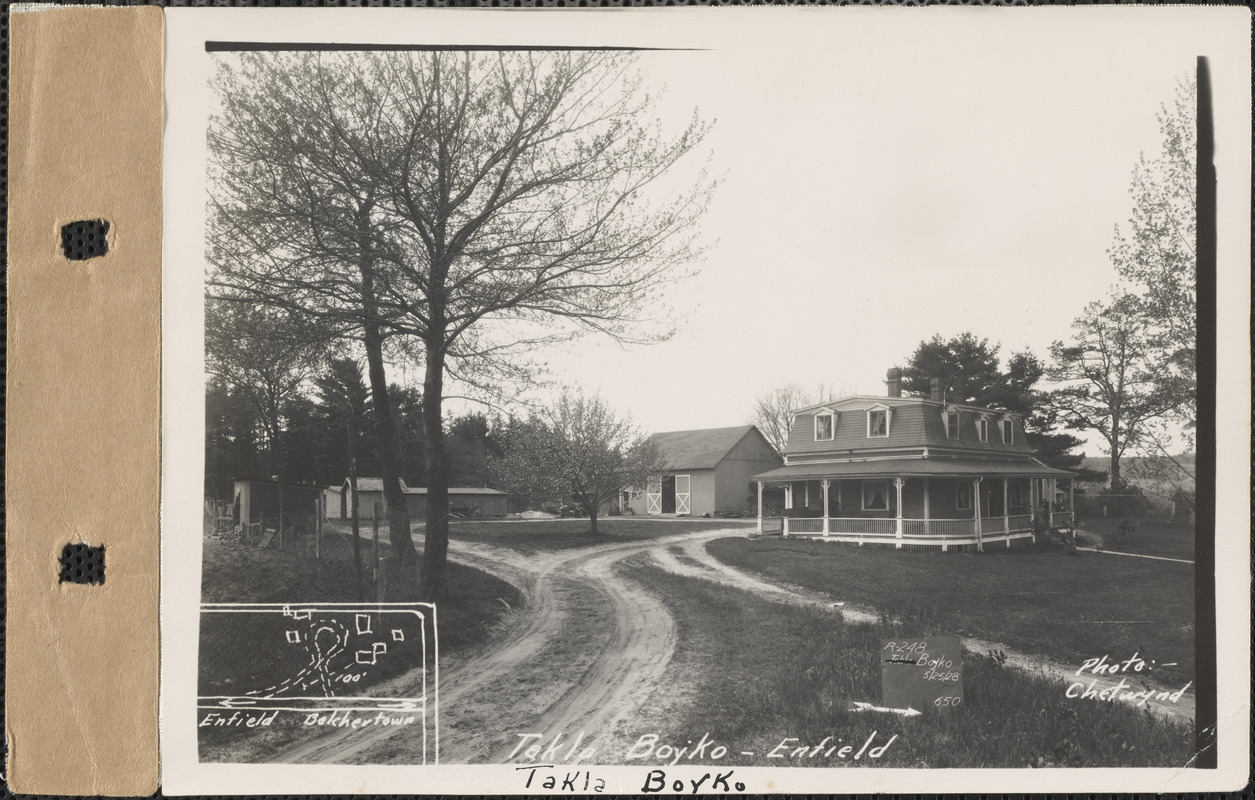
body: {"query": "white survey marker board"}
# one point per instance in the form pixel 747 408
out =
pixel 920 673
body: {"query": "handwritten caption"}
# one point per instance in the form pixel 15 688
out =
pixel 1135 665
pixel 583 781
pixel 650 747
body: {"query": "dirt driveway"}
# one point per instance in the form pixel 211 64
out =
pixel 582 656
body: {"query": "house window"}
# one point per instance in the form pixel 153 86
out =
pixel 1015 495
pixel 834 497
pixel 875 495
pixel 963 496
pixel 824 427
pixel 982 429
pixel 1008 431
pixel 952 424
pixel 877 422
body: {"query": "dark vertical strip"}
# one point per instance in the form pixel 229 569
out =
pixel 1205 476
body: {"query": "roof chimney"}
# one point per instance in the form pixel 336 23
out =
pixel 935 389
pixel 893 380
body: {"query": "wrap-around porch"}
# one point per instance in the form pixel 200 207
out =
pixel 942 508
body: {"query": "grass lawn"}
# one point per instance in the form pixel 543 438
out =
pixel 231 656
pixel 765 673
pixel 1036 599
pixel 528 536
pixel 1150 536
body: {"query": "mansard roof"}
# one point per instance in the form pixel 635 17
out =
pixel 915 422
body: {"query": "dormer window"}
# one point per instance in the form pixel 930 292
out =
pixel 825 426
pixel 982 428
pixel 1007 426
pixel 877 422
pixel 951 418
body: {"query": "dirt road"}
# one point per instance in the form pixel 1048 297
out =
pixel 582 656
pixel 574 663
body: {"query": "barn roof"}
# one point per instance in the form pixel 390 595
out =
pixel 700 449
pixel 458 490
pixel 375 484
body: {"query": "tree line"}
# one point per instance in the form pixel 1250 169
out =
pixel 326 423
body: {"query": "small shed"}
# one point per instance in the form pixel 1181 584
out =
pixel 708 472
pixel 479 500
pixel 332 496
pixel 256 499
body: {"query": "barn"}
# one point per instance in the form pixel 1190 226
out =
pixel 708 472
pixel 477 500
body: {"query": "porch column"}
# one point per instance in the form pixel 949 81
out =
pixel 1072 498
pixel 760 507
pixel 825 483
pixel 980 546
pixel 897 484
pixel 926 512
pixel 1006 509
pixel 788 495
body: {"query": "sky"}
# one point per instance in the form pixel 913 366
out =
pixel 873 196
pixel 884 177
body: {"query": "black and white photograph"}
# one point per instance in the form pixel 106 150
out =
pixel 704 401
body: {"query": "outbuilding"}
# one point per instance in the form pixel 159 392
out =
pixel 469 500
pixel 708 471
pixel 256 499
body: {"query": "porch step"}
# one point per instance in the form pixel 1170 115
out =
pixel 266 538
pixel 1062 539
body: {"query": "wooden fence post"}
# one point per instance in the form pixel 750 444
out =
pixel 374 533
pixel 318 527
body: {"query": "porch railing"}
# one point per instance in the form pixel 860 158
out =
pixel 1020 522
pixel 911 528
pixel 1059 518
pixel 873 526
pixel 938 527
pixel 804 525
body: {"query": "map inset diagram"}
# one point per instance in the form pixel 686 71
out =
pixel 318 657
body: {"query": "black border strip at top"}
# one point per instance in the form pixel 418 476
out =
pixel 230 47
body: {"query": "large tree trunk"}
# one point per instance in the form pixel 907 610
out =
pixel 389 464
pixel 1117 482
pixel 592 521
pixel 357 539
pixel 436 541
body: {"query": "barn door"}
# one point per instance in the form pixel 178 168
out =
pixel 653 496
pixel 682 494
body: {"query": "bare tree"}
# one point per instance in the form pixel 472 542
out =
pixel 1112 382
pixel 773 412
pixel 579 448
pixel 448 208
pixel 266 355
